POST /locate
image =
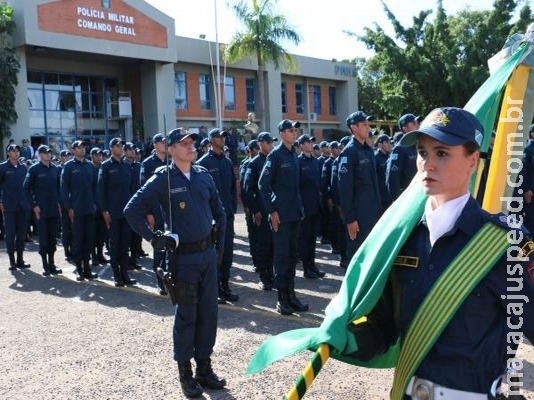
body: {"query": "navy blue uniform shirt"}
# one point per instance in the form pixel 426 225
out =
pixel 472 350
pixel 251 190
pixel 115 186
pixel 381 166
pixel 11 187
pixel 310 184
pixel 42 190
pixel 359 195
pixel 401 168
pixel 326 178
pixel 194 203
pixel 149 166
pixel 279 184
pixel 222 171
pixel 78 187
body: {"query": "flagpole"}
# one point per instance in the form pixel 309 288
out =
pixel 218 66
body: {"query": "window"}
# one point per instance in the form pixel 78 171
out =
pixel 299 99
pixel 180 90
pixel 229 93
pixel 332 109
pixel 250 85
pixel 317 99
pixel 284 97
pixel 205 93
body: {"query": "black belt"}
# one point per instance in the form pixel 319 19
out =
pixel 194 247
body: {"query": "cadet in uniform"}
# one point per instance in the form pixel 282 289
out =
pixel 401 166
pixel 326 178
pixel 310 192
pixel 384 145
pixel 190 202
pixel 358 184
pixel 337 218
pixel 279 188
pixel 264 248
pixel 14 205
pixel 221 170
pixel 471 352
pixel 77 194
pixel 66 225
pixel 136 241
pixel 41 187
pixel 157 159
pixel 253 148
pixel 114 188
pixel 101 230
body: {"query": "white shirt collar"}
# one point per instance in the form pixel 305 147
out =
pixel 442 219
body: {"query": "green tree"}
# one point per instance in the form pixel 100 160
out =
pixel 9 68
pixel 260 40
pixel 434 63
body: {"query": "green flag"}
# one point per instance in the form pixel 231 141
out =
pixel 369 269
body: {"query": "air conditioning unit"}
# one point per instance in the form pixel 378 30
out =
pixel 313 116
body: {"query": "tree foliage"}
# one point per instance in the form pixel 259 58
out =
pixel 9 68
pixel 433 63
pixel 261 40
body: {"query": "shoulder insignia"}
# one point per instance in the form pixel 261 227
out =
pixel 527 248
pixel 406 261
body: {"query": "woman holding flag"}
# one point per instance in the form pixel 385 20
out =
pixel 459 286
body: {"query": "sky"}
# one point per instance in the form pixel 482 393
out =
pixel 320 23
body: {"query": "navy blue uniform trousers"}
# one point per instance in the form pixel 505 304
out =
pixel 286 248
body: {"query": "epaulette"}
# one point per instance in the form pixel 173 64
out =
pixel 160 170
pixel 199 168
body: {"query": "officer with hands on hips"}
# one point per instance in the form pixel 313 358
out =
pixel 480 337
pixel 190 203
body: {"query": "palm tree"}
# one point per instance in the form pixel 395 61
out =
pixel 260 39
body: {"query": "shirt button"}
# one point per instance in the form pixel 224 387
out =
pixel 431 267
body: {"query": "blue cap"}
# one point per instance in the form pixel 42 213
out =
pixel 305 139
pixel 358 116
pixel 179 134
pixel 383 138
pixel 129 146
pixel 158 137
pixel 253 144
pixel 96 150
pixel 77 143
pixel 406 119
pixel 345 140
pixel 44 149
pixel 115 141
pixel 65 153
pixel 217 133
pixel 266 137
pixel 13 147
pixel 333 145
pixel 323 144
pixel 204 142
pixel 287 124
pixel 452 126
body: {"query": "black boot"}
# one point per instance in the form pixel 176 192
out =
pixel 318 272
pixel 206 377
pixel 54 270
pixel 265 279
pixel 46 268
pixel 221 299
pixel 79 271
pixel 20 261
pixel 87 273
pixel 125 277
pixel 228 294
pixel 190 387
pixel 161 285
pixel 12 263
pixel 294 302
pixel 283 306
pixel 117 276
pixel 309 273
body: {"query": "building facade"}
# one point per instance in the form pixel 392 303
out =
pixel 95 69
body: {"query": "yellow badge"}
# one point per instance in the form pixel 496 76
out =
pixel 406 261
pixel 527 248
pixel 182 204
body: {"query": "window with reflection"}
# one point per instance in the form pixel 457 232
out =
pixel 284 97
pixel 180 90
pixel 205 91
pixel 299 98
pixel 229 93
pixel 250 85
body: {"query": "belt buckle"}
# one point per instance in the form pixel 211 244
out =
pixel 423 389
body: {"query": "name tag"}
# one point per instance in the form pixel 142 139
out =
pixel 406 261
pixel 180 189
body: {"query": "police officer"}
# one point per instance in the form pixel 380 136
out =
pixel 221 170
pixel 114 189
pixel 203 147
pixel 473 350
pixel 384 145
pixel 77 193
pixel 253 148
pixel 190 202
pixel 323 227
pixel 337 218
pixel 279 188
pixel 310 192
pixel 401 166
pixel 358 184
pixel 66 226
pixel 101 230
pixel 14 205
pixel 157 159
pixel 263 262
pixel 41 187
pixel 328 205
pixel 136 241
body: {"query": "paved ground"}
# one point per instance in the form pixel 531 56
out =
pixel 62 339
